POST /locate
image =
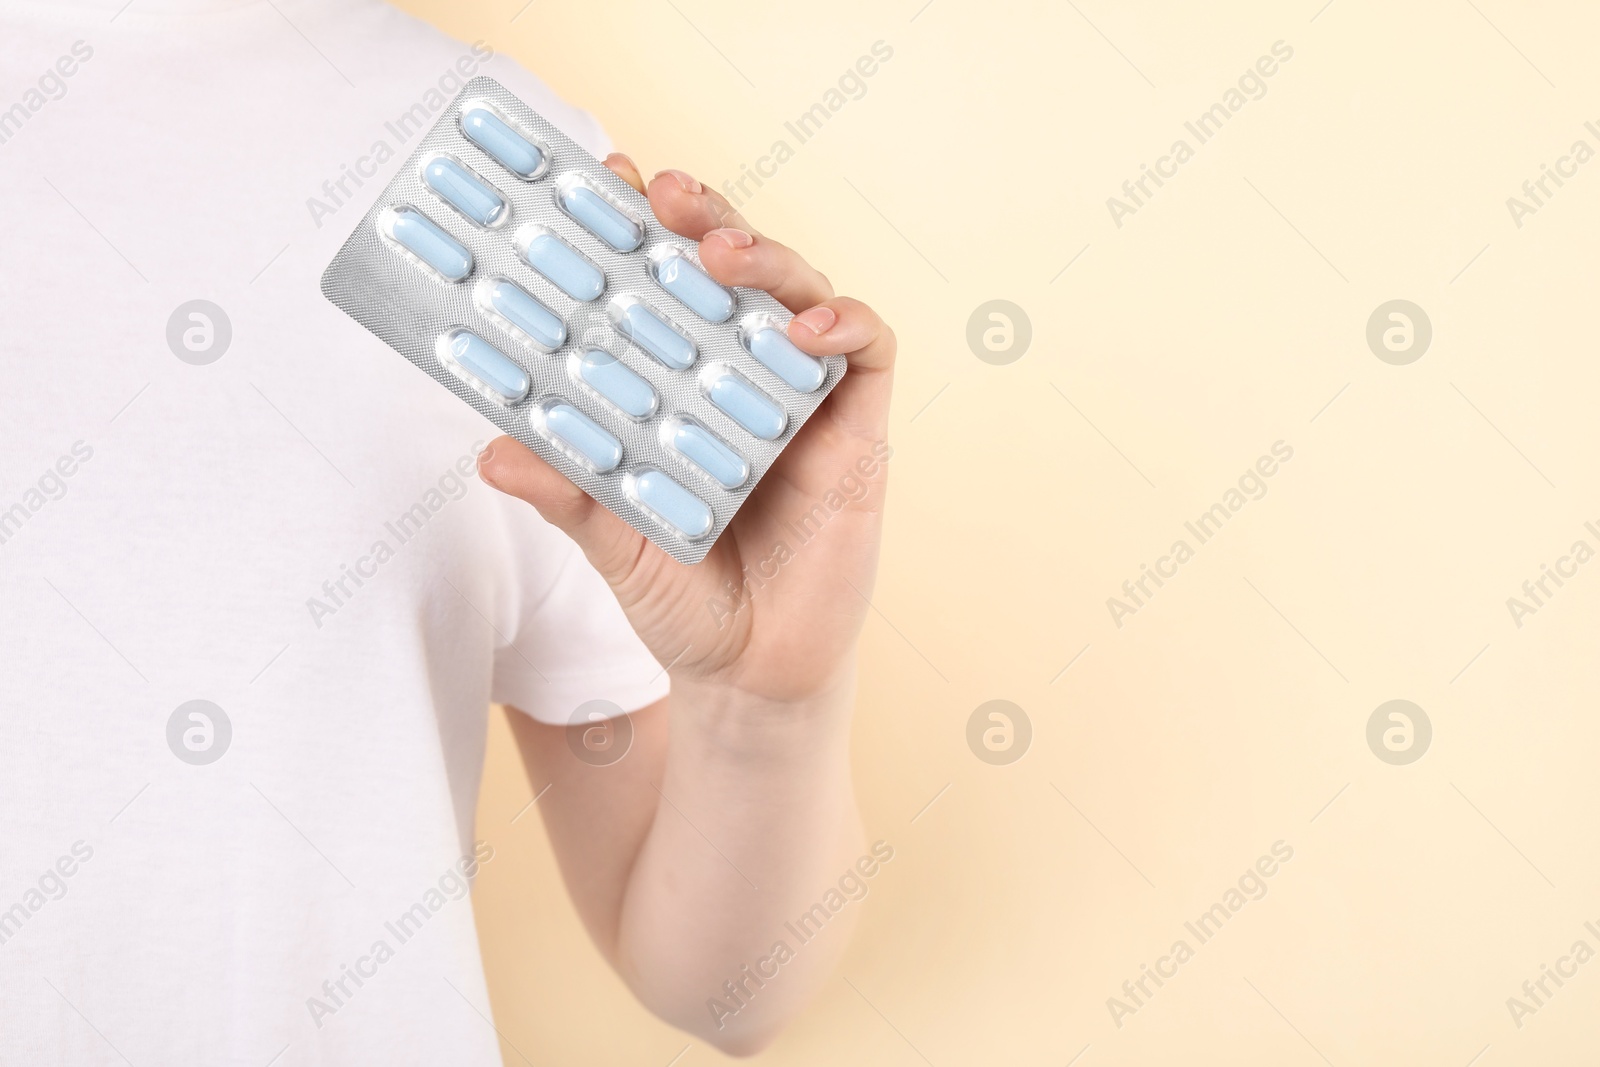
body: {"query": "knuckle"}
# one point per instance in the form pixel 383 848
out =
pixel 563 503
pixel 849 307
pixel 724 213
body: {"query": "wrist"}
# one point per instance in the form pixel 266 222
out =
pixel 728 718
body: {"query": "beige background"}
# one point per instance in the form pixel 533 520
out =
pixel 1222 317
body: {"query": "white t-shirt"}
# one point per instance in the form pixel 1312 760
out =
pixel 292 532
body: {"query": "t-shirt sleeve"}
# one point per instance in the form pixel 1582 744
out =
pixel 570 642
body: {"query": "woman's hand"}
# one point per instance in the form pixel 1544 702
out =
pixel 775 608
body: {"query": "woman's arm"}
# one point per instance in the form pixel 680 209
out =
pixel 687 860
pixel 732 816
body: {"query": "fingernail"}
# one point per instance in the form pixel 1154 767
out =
pixel 734 238
pixel 626 159
pixel 818 320
pixel 485 459
pixel 685 182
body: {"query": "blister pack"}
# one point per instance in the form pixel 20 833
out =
pixel 522 275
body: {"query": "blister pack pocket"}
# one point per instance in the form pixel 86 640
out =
pixel 522 275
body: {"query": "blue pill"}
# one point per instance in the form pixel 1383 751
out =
pixel 773 350
pixel 566 268
pixel 676 507
pixel 522 156
pixel 579 436
pixel 513 304
pixel 707 451
pixel 457 185
pixel 652 331
pixel 742 402
pixel 615 382
pixel 596 212
pixel 423 238
pixel 482 366
pixel 678 275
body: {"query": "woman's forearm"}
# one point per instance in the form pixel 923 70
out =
pixel 725 928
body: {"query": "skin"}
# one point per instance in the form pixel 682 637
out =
pixel 733 812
